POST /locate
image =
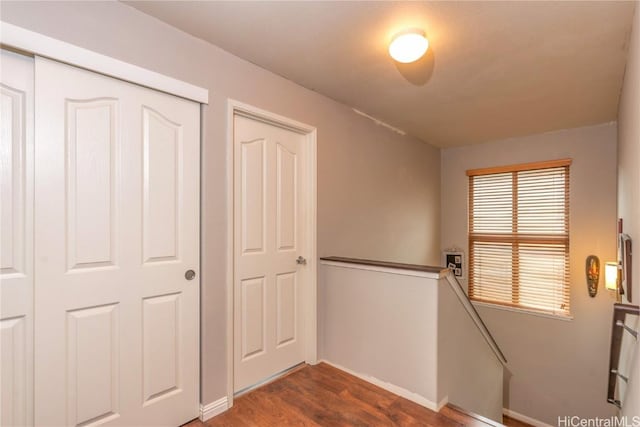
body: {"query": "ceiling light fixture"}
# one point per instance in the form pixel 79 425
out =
pixel 408 45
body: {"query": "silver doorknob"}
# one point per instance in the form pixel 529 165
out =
pixel 301 261
pixel 189 274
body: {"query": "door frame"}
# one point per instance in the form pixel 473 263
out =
pixel 310 207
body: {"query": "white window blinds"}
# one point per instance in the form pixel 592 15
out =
pixel 519 236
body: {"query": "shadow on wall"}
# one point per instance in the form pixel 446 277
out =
pixel 418 73
pixel 506 380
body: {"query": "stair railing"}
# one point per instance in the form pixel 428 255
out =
pixel 618 329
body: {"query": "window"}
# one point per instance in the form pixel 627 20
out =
pixel 519 236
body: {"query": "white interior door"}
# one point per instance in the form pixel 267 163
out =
pixel 116 228
pixel 16 239
pixel 269 234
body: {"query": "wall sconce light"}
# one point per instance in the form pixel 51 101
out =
pixel 593 274
pixel 611 275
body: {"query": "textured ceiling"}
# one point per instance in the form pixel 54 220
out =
pixel 493 70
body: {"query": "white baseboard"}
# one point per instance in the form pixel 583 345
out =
pixel 402 392
pixel 212 409
pixel 517 416
pixel 444 402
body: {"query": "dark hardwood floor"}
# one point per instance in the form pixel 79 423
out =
pixel 512 422
pixel 321 395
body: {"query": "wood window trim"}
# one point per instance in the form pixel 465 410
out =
pixel 520 167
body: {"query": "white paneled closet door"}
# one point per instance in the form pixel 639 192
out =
pixel 16 237
pixel 116 235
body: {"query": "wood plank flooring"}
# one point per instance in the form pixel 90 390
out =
pixel 322 395
pixel 512 422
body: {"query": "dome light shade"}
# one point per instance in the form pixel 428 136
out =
pixel 408 45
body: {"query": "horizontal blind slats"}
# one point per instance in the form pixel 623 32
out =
pixel 526 239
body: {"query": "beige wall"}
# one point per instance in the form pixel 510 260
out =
pixel 378 192
pixel 470 375
pixel 629 182
pixel 383 325
pixel 629 148
pixel 408 330
pixel 555 367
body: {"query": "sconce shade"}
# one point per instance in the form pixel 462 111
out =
pixel 611 275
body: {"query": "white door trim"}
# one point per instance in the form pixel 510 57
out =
pixel 310 306
pixel 48 47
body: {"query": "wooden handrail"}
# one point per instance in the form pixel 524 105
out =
pixel 385 264
pixel 620 312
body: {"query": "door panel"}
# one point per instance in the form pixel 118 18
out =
pixel 16 237
pixel 162 149
pixel 91 148
pixel 287 211
pixel 92 364
pixel 286 308
pixel 161 342
pixel 12 214
pixel 14 368
pixel 253 321
pixel 117 225
pixel 268 233
pixel 253 196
